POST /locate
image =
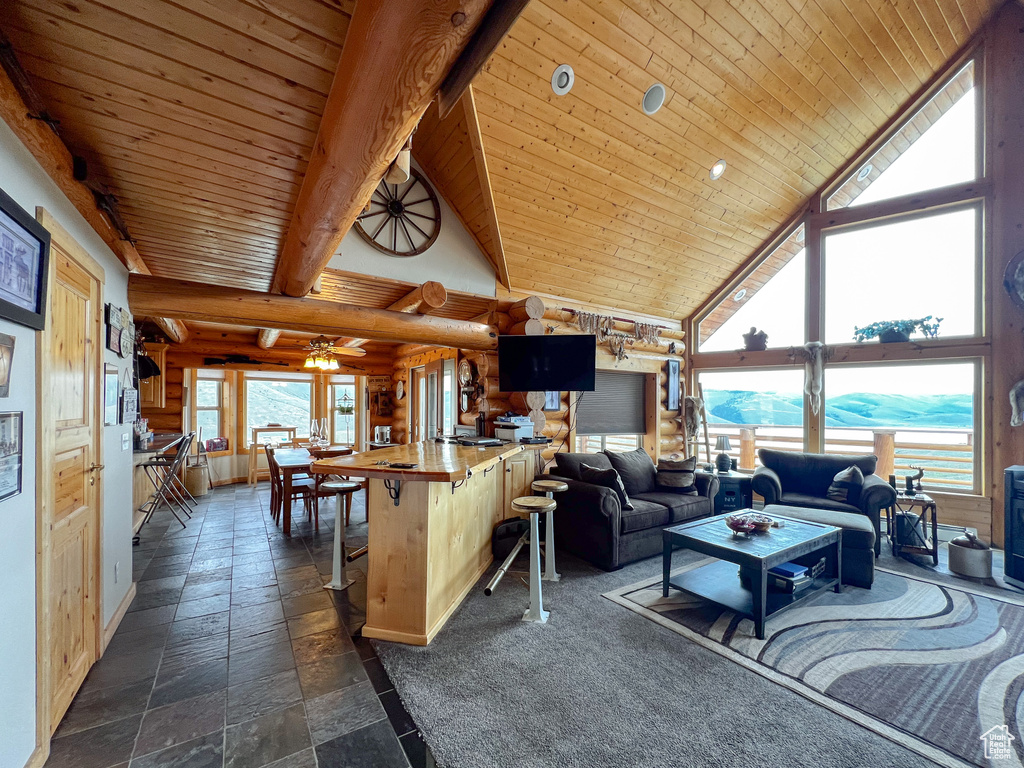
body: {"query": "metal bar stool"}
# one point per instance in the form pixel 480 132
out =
pixel 549 488
pixel 534 506
pixel 343 490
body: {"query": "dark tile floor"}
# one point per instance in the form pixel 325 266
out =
pixel 234 656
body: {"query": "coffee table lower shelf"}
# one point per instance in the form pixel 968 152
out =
pixel 720 583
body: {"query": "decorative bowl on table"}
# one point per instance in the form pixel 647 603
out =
pixel 750 522
pixel 740 524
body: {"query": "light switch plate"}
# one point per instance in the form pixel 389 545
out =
pixel 126 442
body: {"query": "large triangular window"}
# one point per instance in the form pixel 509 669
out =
pixel 936 147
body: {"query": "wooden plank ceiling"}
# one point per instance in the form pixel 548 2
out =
pixel 600 202
pixel 200 116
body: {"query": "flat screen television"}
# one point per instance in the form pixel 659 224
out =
pixel 546 363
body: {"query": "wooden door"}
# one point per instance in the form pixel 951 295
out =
pixel 69 375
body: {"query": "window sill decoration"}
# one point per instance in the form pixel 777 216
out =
pixel 888 331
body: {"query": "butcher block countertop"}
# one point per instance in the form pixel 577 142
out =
pixel 437 462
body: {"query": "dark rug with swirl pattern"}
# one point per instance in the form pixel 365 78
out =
pixel 931 666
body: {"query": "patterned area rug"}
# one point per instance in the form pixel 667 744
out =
pixel 929 666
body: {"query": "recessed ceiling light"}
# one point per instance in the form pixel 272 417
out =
pixel 562 79
pixel 865 172
pixel 654 98
pixel 717 170
pixel 740 294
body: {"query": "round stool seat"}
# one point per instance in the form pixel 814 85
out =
pixel 552 486
pixel 533 504
pixel 340 486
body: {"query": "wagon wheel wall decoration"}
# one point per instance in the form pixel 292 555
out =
pixel 401 219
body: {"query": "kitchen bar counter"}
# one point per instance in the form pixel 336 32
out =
pixel 430 528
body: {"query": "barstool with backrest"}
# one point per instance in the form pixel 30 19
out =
pixel 162 471
pixel 549 488
pixel 343 490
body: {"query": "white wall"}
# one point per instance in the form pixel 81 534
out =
pixel 24 180
pixel 454 259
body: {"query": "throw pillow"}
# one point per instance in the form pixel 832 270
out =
pixel 846 486
pixel 678 474
pixel 609 478
pixel 636 470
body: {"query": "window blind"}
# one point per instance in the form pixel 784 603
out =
pixel 616 407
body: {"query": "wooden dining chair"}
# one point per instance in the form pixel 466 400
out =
pixel 303 488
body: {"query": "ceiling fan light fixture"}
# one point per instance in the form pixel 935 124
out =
pixel 654 99
pixel 562 79
pixel 717 170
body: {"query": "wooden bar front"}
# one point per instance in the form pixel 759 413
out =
pixel 427 552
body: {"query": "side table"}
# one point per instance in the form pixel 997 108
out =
pixel 928 515
pixel 735 491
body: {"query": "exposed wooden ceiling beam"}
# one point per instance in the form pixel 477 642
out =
pixel 499 20
pixel 430 295
pixel 186 300
pixel 268 337
pixel 396 54
pixel 496 255
pixel 55 158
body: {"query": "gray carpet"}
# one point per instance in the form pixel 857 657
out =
pixel 602 686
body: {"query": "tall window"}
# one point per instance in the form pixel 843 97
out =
pixel 919 255
pixel 904 270
pixel 754 409
pixel 209 407
pixel 922 414
pixel 936 147
pixel 278 401
pixel 771 298
pixel 343 411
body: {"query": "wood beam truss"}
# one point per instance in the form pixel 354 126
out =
pixel 184 300
pixel 396 55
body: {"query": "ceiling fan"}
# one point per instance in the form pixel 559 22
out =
pixel 324 355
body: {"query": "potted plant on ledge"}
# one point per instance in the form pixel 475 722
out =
pixel 898 330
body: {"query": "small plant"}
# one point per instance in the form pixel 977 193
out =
pixel 898 330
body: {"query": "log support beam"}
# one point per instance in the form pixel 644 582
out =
pixel 396 55
pixel 429 296
pixel 268 337
pixel 184 300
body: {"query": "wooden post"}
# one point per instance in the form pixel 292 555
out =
pixel 885 450
pixel 396 55
pixel 748 447
pixel 1005 76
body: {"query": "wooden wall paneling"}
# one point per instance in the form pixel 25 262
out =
pixel 1006 147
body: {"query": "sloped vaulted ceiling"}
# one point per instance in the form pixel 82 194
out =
pixel 600 202
pixel 200 117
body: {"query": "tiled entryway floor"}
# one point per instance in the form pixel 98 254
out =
pixel 234 655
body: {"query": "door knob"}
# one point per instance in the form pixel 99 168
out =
pixel 94 467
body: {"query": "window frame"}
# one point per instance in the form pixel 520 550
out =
pixel 820 222
pixel 247 377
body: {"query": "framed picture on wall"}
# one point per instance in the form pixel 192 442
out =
pixel 6 361
pixel 552 401
pixel 10 454
pixel 672 385
pixel 24 256
pixel 111 395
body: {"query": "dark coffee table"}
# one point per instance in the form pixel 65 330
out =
pixel 756 553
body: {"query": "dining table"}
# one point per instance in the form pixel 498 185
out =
pixel 296 461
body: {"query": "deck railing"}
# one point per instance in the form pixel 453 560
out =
pixel 946 455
